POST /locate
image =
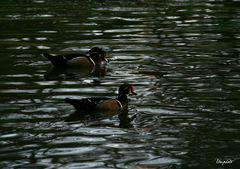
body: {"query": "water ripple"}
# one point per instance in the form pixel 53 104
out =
pixel 181 57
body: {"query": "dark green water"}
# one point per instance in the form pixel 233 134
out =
pixel 181 56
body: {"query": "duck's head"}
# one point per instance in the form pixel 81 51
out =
pixel 97 54
pixel 126 89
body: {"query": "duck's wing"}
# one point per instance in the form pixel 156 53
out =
pixel 81 104
pixel 61 60
pixel 97 100
pixel 73 55
pixel 88 104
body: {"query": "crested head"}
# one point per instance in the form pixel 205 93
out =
pixel 97 54
pixel 126 89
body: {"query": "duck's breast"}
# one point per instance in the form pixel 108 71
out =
pixel 108 105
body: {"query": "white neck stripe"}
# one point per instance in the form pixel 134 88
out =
pixel 94 64
pixel 119 103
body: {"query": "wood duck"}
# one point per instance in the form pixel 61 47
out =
pixel 96 104
pixel 92 58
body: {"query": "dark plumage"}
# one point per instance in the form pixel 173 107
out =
pixel 103 103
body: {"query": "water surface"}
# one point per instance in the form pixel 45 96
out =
pixel 181 56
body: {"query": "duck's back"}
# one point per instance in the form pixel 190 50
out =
pixel 86 105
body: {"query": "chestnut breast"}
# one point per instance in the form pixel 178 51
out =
pixel 109 105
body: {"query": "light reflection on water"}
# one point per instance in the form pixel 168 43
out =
pixel 181 56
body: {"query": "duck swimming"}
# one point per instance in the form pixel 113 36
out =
pixel 91 59
pixel 96 104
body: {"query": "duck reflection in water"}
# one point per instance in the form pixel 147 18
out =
pixel 96 107
pixel 77 65
pixel 94 118
pixel 63 73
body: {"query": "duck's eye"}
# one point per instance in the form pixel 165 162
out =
pixel 127 91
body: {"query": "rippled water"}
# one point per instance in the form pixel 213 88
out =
pixel 182 57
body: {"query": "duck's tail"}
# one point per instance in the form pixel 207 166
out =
pixel 57 60
pixel 68 100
